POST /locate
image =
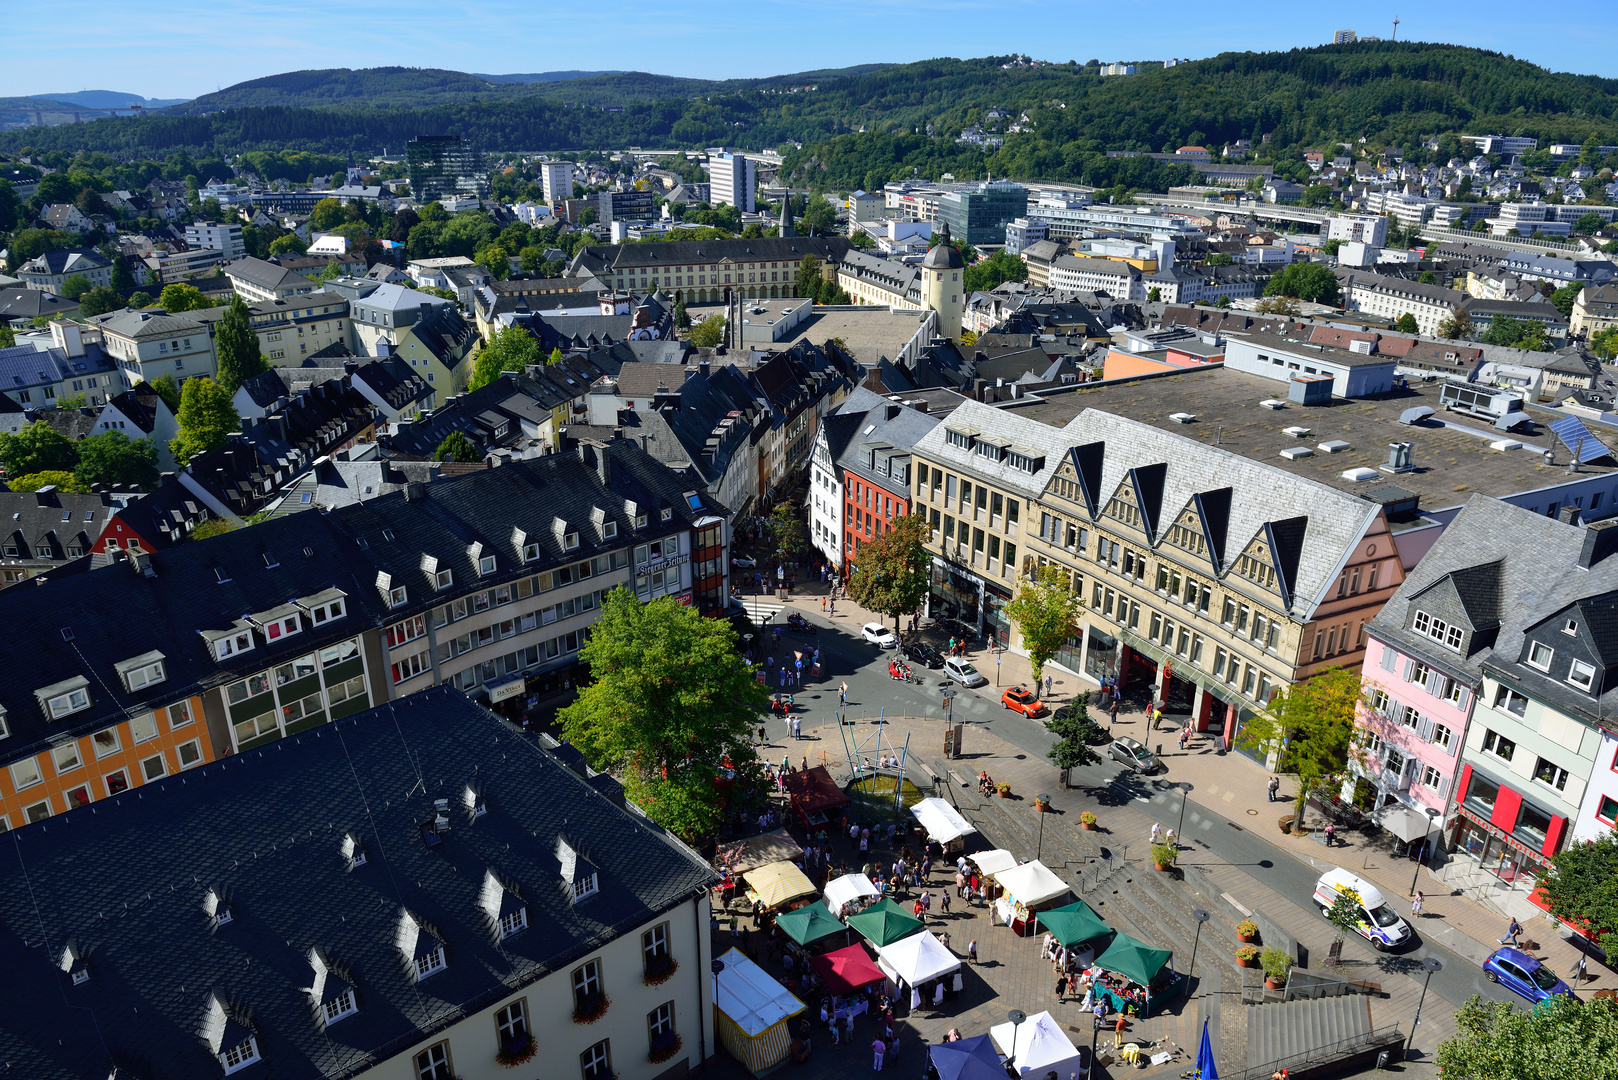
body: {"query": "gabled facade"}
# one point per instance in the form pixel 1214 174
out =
pixel 876 465
pixel 41 530
pixel 255 280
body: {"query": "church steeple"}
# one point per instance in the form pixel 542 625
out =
pixel 786 228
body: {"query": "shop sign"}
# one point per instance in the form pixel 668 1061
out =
pixel 685 598
pixel 508 688
pixel 660 564
pixel 1499 834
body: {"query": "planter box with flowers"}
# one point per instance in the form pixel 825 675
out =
pixel 1277 966
pixel 1247 931
pixel 660 970
pixel 589 1009
pixel 1087 821
pixel 1163 856
pixel 1247 956
pixel 518 1051
pixel 664 1047
pixel 1003 789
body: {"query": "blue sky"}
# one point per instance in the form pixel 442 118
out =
pixel 182 48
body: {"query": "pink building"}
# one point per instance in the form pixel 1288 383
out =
pixel 1416 713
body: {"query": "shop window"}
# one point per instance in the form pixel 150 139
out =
pixel 1481 795
pixel 1533 824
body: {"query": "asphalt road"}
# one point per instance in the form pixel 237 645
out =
pixel 845 656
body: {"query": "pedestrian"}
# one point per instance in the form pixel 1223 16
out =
pixel 1513 928
pixel 797 729
pixel 1157 715
pixel 842 695
pixel 1100 1010
pixel 1579 969
pixel 1118 1033
pixel 1185 733
pixel 1274 786
pixel 1169 839
pixel 878 1048
pixel 1112 716
pixel 943 898
pixel 1157 832
pixel 1047 686
pixel 823 605
pixel 972 951
pixel 1045 947
pixel 960 884
pixel 761 736
pixel 1061 987
pixel 1331 832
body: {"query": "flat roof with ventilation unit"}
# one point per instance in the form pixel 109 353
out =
pixel 1335 446
pixel 1293 453
pixel 1297 432
pixel 1360 475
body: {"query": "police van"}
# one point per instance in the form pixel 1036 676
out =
pixel 1378 923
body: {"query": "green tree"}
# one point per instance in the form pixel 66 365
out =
pixel 27 243
pixel 74 286
pixel 1305 281
pixel 72 401
pixel 1310 727
pixel 891 572
pixel 819 218
pixel 1457 324
pixel 98 301
pixel 181 297
pixel 139 299
pixel 1318 195
pixel 1344 915
pixel 122 279
pixel 331 270
pixel 38 447
pixel 709 332
pixel 1044 611
pixel 989 273
pixel 670 707
pixel 808 283
pixel 1582 886
pixel 1153 295
pixel 457 447
pixel 326 215
pixel 1220 258
pixel 61 479
pixel 288 242
pixel 1588 224
pixel 1406 324
pixel 1560 1038
pixel 206 418
pixel 1565 297
pixel 1076 733
pixel 167 387
pixel 785 526
pixel 511 348
pixel 1604 343
pixel 113 458
pixel 682 318
pixel 1331 247
pixel 1428 278
pixel 237 345
pixel 8 336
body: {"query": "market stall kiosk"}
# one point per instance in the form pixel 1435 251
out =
pixel 965 1059
pixel 816 798
pixel 850 895
pixel 943 823
pixel 916 961
pixel 761 850
pixel 811 924
pixel 845 973
pixel 777 885
pixel 1026 889
pixel 751 1014
pixel 1142 977
pixel 1040 1048
pixel 1077 928
pixel 992 861
pixel 884 923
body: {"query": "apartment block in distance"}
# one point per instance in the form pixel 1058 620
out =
pixel 444 167
pixel 731 179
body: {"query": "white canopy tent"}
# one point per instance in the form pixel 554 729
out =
pixel 1041 1047
pixel 849 893
pixel 1031 884
pixel 941 820
pixel 992 862
pixel 1403 822
pixel 750 997
pixel 916 959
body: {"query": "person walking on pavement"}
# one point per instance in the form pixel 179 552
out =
pixel 972 951
pixel 878 1048
pixel 1112 712
pixel 1157 832
pixel 1415 906
pixel 1061 987
pixel 1047 686
pixel 842 695
pixel 1185 733
pixel 943 898
pixel 1118 1033
pixel 1274 787
pixel 1579 969
pixel 1513 928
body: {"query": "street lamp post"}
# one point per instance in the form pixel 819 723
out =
pixel 1432 816
pixel 1201 917
pixel 1432 965
pixel 1095 1035
pixel 717 966
pixel 1039 847
pixel 1185 793
pixel 1016 1016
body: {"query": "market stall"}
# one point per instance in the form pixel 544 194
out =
pixel 1137 976
pixel 1026 889
pixel 884 923
pixel 1041 1047
pixel 751 1014
pixel 993 861
pixel 760 850
pixel 1076 928
pixel 965 1059
pixel 810 924
pixel 917 962
pixel 845 973
pixel 943 823
pixel 816 798
pixel 777 885
pixel 850 895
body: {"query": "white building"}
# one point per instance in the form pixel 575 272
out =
pixel 557 177
pixel 731 179
pixel 226 239
pixel 1358 228
pixel 1117 279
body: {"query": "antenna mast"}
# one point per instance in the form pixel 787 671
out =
pixel 1396 28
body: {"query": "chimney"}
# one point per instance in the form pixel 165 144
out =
pixel 890 411
pixel 415 491
pixel 1569 515
pixel 1600 540
pixel 920 406
pixel 604 465
pixel 704 367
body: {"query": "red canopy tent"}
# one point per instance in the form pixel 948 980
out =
pixel 846 970
pixel 815 795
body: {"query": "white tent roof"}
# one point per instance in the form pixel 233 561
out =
pixel 746 994
pixel 916 958
pixel 1041 1046
pixel 992 862
pixel 848 888
pixel 1031 883
pixel 941 820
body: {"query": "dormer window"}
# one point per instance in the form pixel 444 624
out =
pixel 586 885
pixel 530 553
pixel 352 851
pixel 665 514
pixel 485 565
pixel 1539 656
pixel 430 963
pixel 222 917
pixel 240 1056
pixel 1440 631
pixel 570 541
pixel 65 698
pixel 609 529
pixel 1581 675
pixel 338 1007
pixel 397 597
pixel 141 671
pixel 513 921
pixel 232 643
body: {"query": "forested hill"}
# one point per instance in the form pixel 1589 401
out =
pixel 907 116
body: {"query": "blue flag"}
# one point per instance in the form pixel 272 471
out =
pixel 1206 1069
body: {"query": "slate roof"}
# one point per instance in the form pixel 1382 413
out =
pixel 70 261
pixel 336 481
pixel 265 831
pixel 34 303
pixel 444 333
pixel 45 523
pixel 891 430
pixel 266 275
pixel 140 407
pixel 598 258
pixel 23 366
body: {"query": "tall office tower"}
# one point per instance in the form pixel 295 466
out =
pixel 557 177
pixel 731 178
pixel 444 166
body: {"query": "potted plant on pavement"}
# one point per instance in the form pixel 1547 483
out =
pixel 1003 789
pixel 1247 955
pixel 1247 931
pixel 1087 821
pixel 1276 965
pixel 1042 802
pixel 1163 856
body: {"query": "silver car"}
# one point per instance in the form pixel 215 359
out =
pixel 1133 754
pixel 960 670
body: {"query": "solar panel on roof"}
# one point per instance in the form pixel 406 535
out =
pixel 1577 438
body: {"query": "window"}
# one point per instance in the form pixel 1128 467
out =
pixel 1510 700
pixel 1539 656
pixel 660 1026
pixel 409 630
pixel 107 742
pixel 140 677
pixel 1533 823
pixel 256 726
pixel 397 597
pixel 69 703
pixel 429 963
pixel 513 921
pixel 190 754
pixel 1581 675
pixel 1498 745
pixel 1548 772
pixel 180 714
pixel 241 1055
pixel 595 1063
pixel 143 727
pixel 66 757
pixel 1442 736
pixel 333 610
pixel 301 668
pixel 654 946
pixel 154 768
pixel 512 1023
pixel 433 1063
pixel 26 773
pixel 1608 810
pixel 409 667
pixel 333 655
pixel 282 628
pixel 232 644
pixel 586 983
pixel 1431 778
pixel 338 1007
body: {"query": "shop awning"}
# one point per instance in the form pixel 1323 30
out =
pixel 1407 824
pixel 814 791
pixel 994 861
pixel 761 850
pixel 749 997
pixel 809 924
pixel 1074 923
pixel 846 970
pixel 916 959
pixel 777 884
pixel 848 889
pixel 941 820
pixel 1041 1047
pixel 884 923
pixel 1031 884
pixel 1134 960
pixel 967 1059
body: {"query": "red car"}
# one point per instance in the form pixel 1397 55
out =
pixel 1023 701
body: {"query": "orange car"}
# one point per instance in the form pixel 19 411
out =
pixel 1023 701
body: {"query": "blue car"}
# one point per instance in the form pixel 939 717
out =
pixel 1522 974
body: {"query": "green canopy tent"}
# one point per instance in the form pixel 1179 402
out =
pixel 1139 963
pixel 1074 923
pixel 808 925
pixel 884 923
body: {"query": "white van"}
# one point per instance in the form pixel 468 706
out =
pixel 1379 924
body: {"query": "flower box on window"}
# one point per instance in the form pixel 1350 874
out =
pixel 590 1008
pixel 664 1047
pixel 519 1051
pixel 660 970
